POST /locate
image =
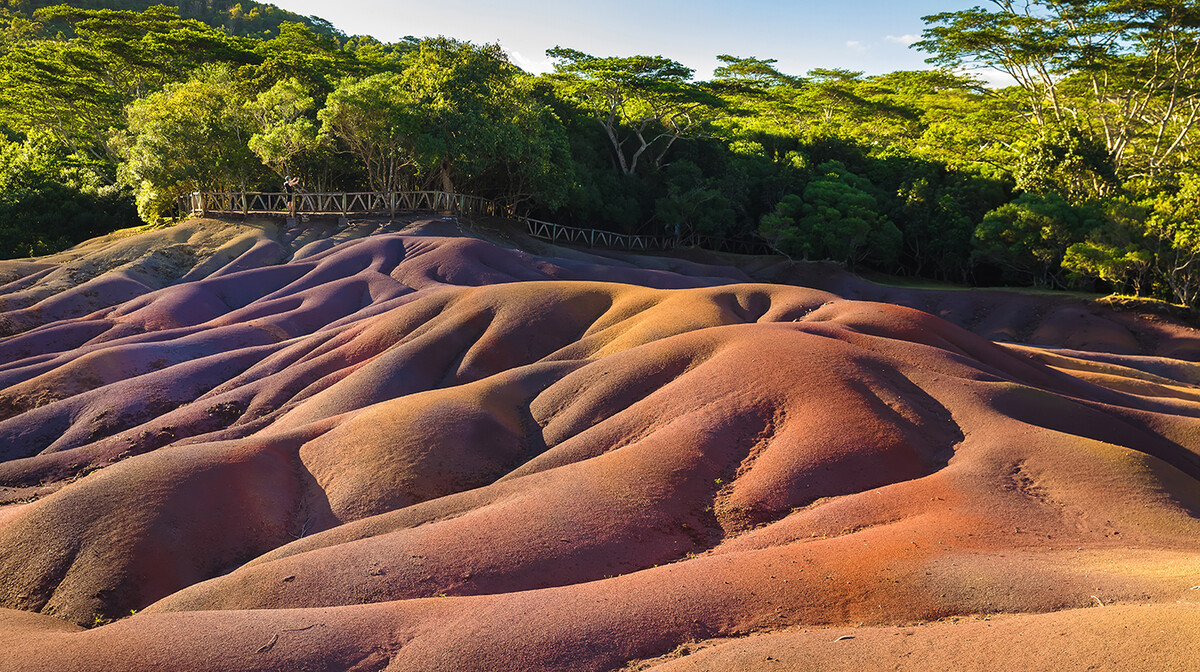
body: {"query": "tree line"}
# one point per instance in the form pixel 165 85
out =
pixel 1081 174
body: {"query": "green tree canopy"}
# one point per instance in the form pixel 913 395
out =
pixel 235 17
pixel 1124 72
pixel 836 218
pixel 693 203
pixel 644 103
pixel 457 117
pixel 1029 237
pixel 190 136
pixel 49 201
pixel 284 134
pixel 1174 228
pixel 76 90
pixel 371 119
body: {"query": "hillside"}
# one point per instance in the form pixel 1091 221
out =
pixel 414 446
pixel 237 17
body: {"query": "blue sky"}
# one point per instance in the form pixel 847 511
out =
pixel 867 35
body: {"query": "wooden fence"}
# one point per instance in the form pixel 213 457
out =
pixel 342 203
pixel 203 203
pixel 558 233
pixel 743 245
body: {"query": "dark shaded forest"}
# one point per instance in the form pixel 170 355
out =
pixel 1081 175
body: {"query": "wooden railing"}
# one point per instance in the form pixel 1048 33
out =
pixel 203 203
pixel 338 203
pixel 558 233
pixel 742 245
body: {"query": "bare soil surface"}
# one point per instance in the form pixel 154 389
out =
pixel 415 446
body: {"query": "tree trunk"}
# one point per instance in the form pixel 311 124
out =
pixel 447 183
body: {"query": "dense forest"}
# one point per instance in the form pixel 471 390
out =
pixel 1083 174
pixel 231 16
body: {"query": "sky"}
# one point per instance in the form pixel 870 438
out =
pixel 867 35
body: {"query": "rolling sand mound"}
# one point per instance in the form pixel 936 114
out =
pixel 235 446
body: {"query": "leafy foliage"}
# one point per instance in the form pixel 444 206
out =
pixel 76 89
pixel 371 120
pixel 456 117
pixel 643 103
pixel 1082 174
pixel 239 17
pixel 1174 228
pixel 284 134
pixel 836 218
pixel 190 136
pixel 49 202
pixel 693 203
pixel 1120 72
pixel 1028 237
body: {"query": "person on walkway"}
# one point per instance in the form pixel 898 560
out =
pixel 291 185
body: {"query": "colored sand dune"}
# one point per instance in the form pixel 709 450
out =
pixel 235 446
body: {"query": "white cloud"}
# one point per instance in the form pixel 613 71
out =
pixel 856 46
pixel 535 66
pixel 992 79
pixel 906 40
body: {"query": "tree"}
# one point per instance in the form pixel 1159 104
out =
pixel 936 227
pixel 484 130
pixel 191 136
pixel 1029 237
pixel 1121 71
pixel 16 30
pixel 1134 68
pixel 371 120
pixel 459 117
pixel 1019 39
pixel 283 131
pixel 1067 162
pixel 48 202
pixel 235 17
pixel 1124 266
pixel 836 218
pixel 1174 228
pixel 76 90
pixel 644 104
pixel 692 203
pixel 751 75
pixel 314 59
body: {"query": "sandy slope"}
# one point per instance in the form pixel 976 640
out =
pixel 368 449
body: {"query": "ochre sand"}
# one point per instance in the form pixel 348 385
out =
pixel 363 448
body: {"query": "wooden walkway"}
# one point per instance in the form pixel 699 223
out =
pixel 344 204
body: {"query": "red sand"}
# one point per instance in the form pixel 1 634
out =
pixel 323 449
